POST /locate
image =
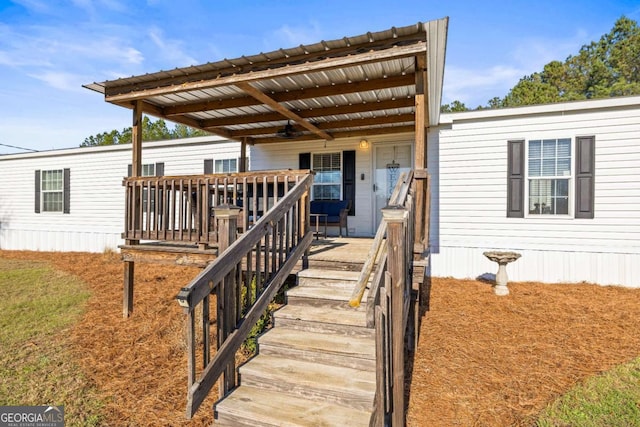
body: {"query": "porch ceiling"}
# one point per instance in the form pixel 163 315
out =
pixel 354 86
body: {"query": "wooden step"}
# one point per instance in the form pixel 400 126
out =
pixel 351 387
pixel 320 295
pixel 328 277
pixel 251 407
pixel 350 322
pixel 329 349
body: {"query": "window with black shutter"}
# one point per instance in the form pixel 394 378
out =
pixel 53 190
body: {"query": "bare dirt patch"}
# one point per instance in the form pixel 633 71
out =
pixel 482 360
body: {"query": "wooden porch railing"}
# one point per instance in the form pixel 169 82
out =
pixel 245 278
pixel 391 292
pixel 181 208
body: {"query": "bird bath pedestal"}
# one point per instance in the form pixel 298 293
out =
pixel 502 258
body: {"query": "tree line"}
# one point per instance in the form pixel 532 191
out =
pixel 152 130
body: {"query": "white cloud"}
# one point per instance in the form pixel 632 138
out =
pixel 171 50
pixel 476 86
pixel 61 80
pixel 534 53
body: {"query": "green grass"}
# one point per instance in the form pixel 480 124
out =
pixel 37 307
pixel 608 400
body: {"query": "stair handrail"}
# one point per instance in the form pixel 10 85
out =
pixel 398 196
pixel 392 302
pixel 287 221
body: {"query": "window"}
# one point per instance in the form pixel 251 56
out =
pixel 52 190
pixel 226 165
pixel 549 174
pixel 327 184
pixel 551 180
pixel 149 169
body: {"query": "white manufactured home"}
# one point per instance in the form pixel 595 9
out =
pixel 73 199
pixel 558 183
pixel 569 202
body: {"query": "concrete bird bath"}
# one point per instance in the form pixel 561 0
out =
pixel 502 258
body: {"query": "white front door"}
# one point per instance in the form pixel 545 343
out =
pixel 390 162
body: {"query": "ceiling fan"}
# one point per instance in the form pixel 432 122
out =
pixel 288 131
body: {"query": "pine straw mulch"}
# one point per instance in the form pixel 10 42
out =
pixel 481 360
pixel 484 360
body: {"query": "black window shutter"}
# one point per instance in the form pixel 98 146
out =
pixel 160 169
pixel 37 199
pixel 208 165
pixel 129 170
pixel 349 179
pixel 304 160
pixel 515 179
pixel 585 176
pixel 66 186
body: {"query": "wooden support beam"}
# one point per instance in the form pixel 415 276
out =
pixel 257 94
pixel 136 140
pixel 117 94
pixel 391 104
pixel 293 95
pixel 243 155
pixel 343 134
pixel 421 113
pixel 136 170
pixel 353 123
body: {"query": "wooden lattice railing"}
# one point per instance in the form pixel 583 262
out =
pixel 244 278
pixel 391 292
pixel 181 208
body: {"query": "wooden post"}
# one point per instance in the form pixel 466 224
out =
pixel 242 167
pixel 305 203
pixel 127 300
pixel 227 217
pixel 421 125
pixel 396 219
pixel 136 170
pixel 421 114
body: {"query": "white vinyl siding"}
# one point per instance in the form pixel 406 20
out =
pixel 468 163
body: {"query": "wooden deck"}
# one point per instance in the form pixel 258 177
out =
pixel 339 253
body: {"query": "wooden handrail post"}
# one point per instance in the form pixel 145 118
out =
pixel 396 219
pixel 227 217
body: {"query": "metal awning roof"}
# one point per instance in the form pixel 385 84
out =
pixel 354 86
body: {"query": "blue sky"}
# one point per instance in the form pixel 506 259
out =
pixel 50 48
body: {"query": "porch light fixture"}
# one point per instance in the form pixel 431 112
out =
pixel 364 143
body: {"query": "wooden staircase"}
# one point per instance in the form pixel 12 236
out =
pixel 315 367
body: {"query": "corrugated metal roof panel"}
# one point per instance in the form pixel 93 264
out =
pixel 189 93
